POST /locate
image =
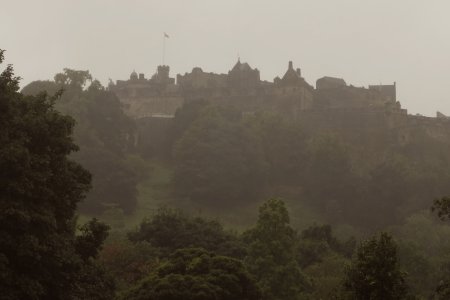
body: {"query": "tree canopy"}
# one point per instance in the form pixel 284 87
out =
pixel 195 274
pixel 219 161
pixel 375 272
pixel 104 134
pixel 40 188
pixel 170 229
pixel 272 253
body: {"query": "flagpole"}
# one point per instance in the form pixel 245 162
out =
pixel 164 48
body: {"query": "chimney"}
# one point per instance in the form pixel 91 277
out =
pixel 299 73
pixel 290 65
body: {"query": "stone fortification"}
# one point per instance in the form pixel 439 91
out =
pixel 332 105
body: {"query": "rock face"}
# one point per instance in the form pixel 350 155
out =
pixel 331 105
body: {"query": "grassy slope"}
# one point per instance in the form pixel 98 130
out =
pixel 154 190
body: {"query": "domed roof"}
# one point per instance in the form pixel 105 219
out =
pixel 134 75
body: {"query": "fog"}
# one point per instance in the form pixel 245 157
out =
pixel 362 42
pixel 263 175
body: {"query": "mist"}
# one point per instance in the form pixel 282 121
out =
pixel 364 43
pixel 249 150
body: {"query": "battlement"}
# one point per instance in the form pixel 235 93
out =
pixel 332 105
pixel 389 92
pixel 197 80
pixel 242 87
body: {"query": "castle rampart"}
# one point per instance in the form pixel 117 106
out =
pixel 332 105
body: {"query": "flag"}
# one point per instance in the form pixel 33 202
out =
pixel 166 35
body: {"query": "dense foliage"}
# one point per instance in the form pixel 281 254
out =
pixel 375 272
pixel 213 162
pixel 104 134
pixel 223 158
pixel 196 274
pixel 215 156
pixel 170 230
pixel 272 253
pixel 40 255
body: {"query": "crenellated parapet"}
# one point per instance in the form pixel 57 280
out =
pixel 332 104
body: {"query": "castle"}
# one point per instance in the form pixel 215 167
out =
pixel 332 104
pixel 161 95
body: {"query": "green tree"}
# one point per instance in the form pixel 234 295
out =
pixel 326 276
pixel 89 242
pixel 73 78
pixel 170 230
pixel 391 184
pixel 375 272
pixel 323 259
pixel 184 117
pixel 218 161
pixel 114 181
pixel 128 262
pixel 316 242
pixel 329 181
pixel 92 280
pixel 272 253
pixel 284 146
pixel 442 291
pixel 195 274
pixel 39 191
pixel 442 207
pixel 103 132
pixel 39 86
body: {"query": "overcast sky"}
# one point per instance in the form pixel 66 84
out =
pixel 364 42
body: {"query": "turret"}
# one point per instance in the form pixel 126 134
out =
pixel 134 76
pixel 291 77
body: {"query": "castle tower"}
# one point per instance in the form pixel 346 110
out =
pixel 163 72
pixel 134 76
pixel 242 76
pixel 162 76
pixel 291 77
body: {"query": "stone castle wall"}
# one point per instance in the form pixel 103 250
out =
pixel 241 87
pixel 361 113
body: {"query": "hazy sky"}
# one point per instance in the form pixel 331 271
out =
pixel 364 42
